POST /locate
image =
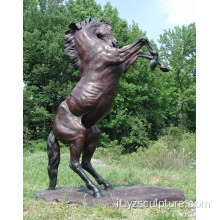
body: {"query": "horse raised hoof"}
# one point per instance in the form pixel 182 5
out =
pixel 164 68
pixel 153 64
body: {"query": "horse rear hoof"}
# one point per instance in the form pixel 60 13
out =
pixel 98 194
pixel 50 188
pixel 109 187
pixel 52 184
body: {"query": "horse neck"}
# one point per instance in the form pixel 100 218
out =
pixel 85 39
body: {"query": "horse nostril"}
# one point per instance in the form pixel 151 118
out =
pixel 115 43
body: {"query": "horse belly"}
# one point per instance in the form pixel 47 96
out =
pixel 99 111
pixel 83 98
pixel 87 97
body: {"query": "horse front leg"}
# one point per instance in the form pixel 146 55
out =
pixel 91 141
pixel 112 55
pixel 128 51
pixel 154 60
pixel 133 58
pixel 130 61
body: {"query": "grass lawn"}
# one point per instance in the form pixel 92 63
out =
pixel 118 169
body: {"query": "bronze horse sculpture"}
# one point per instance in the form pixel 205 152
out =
pixel 93 49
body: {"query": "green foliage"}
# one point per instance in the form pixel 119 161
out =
pixel 179 49
pixel 146 101
pixel 35 145
pixel 189 144
pixel 168 152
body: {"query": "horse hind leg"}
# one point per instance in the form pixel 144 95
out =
pixel 91 141
pixel 53 151
pixel 76 148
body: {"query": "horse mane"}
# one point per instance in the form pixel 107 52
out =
pixel 69 36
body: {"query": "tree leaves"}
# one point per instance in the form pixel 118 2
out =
pixel 146 101
pixel 178 47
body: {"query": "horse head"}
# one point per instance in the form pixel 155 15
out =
pixel 97 30
pixel 105 32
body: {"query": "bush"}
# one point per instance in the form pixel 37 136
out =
pixel 172 151
pixel 188 143
pixel 158 155
pixel 169 152
pixel 35 145
pixel 172 132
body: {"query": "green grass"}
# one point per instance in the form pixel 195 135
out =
pixel 126 170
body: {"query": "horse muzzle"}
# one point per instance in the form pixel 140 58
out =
pixel 115 43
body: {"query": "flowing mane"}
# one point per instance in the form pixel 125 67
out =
pixel 69 36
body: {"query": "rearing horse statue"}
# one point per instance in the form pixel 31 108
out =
pixel 93 49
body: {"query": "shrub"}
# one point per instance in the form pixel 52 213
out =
pixel 169 152
pixel 188 143
pixel 35 145
pixel 158 155
pixel 172 131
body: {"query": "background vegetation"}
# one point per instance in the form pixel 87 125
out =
pixel 146 101
pixel 149 136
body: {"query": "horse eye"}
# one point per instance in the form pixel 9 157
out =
pixel 100 35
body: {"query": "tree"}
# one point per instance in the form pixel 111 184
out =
pixel 146 101
pixel 178 47
pixel 47 70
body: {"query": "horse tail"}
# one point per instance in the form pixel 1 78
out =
pixel 53 151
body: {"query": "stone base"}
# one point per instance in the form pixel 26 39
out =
pixel 136 196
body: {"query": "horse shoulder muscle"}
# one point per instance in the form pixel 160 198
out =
pixel 109 54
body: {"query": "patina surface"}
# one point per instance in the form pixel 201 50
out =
pixel 120 197
pixel 93 49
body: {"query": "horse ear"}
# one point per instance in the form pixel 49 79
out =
pixel 103 20
pixel 73 26
pixel 88 20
